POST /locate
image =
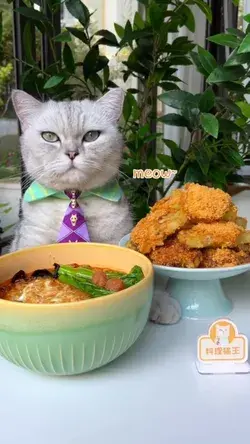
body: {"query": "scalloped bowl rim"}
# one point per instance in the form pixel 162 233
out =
pixel 218 270
pixel 84 303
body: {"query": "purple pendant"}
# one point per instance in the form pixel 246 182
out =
pixel 74 226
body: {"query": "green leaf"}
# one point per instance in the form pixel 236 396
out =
pixel 207 60
pixel 236 2
pixel 228 127
pixel 203 156
pixel 174 120
pixel 177 153
pixel 96 81
pixel 196 61
pixel 4 205
pixel 236 32
pixel 245 45
pixel 54 81
pixel 193 175
pixel 78 10
pixel 127 107
pixel 119 30
pixel 234 86
pixel 245 108
pixel 225 40
pixel 168 86
pixel 90 62
pixel 27 40
pixel 128 34
pixel 80 34
pixel 109 36
pixel 180 61
pixel 237 59
pixel 106 42
pixel 189 17
pixel 210 124
pixel 207 101
pixel 63 37
pixel 138 21
pixel 204 7
pixel 32 14
pixel 156 16
pixel 68 59
pixel 144 2
pixel 176 99
pixel 167 161
pixel 230 105
pixel 222 74
pixel 247 18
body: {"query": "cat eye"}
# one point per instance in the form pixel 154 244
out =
pixel 49 137
pixel 91 136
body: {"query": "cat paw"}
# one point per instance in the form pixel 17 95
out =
pixel 167 313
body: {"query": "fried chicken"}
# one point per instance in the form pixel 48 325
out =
pixel 223 257
pixel 217 234
pixel 204 204
pixel 173 254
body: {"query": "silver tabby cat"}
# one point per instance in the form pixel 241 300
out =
pixel 73 145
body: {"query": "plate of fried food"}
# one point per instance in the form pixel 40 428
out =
pixel 195 237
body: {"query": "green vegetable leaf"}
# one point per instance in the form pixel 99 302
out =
pixel 210 124
pixel 68 58
pixel 54 81
pixel 222 74
pixel 245 45
pixel 225 40
pixel 78 10
pixel 237 59
pixel 207 60
pixel 207 101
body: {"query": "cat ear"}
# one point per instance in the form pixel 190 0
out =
pixel 25 107
pixel 112 104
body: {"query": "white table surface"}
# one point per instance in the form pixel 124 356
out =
pixel 151 394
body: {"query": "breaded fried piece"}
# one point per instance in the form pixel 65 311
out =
pixel 152 231
pixel 223 257
pixel 174 201
pixel 231 214
pixel 173 254
pixel 158 225
pixel 216 234
pixel 204 204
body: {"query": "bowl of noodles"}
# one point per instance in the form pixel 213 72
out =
pixel 194 238
pixel 67 309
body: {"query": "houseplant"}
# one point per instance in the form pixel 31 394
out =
pixel 152 60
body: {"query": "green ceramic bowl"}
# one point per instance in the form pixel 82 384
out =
pixel 73 338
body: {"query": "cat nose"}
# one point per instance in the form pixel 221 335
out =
pixel 72 154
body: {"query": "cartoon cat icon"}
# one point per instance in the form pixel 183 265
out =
pixel 222 335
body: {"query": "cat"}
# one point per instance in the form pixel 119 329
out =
pixel 222 335
pixel 68 159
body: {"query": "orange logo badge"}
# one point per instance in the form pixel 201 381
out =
pixel 223 344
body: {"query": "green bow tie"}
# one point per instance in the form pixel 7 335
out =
pixel 110 191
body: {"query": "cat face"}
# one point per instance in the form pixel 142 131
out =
pixel 71 144
pixel 222 332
